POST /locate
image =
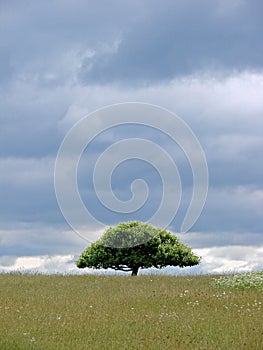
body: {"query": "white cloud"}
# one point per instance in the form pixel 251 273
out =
pixel 41 264
pixel 224 259
pixel 231 259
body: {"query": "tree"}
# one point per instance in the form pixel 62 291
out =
pixel 133 245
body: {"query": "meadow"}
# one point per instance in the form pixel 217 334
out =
pixel 121 312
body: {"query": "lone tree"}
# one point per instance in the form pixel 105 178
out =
pixel 133 245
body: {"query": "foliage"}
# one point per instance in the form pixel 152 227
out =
pixel 133 245
pixel 252 280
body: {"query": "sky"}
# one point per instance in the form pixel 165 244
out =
pixel 62 60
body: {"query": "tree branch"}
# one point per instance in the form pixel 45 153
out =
pixel 120 268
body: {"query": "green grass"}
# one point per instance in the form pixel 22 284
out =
pixel 119 312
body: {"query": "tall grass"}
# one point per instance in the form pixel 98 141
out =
pixel 118 312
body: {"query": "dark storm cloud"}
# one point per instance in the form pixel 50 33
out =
pixel 128 41
pixel 35 35
pixel 28 121
pixel 41 49
pixel 176 38
pixel 61 60
pixel 42 240
pixel 27 193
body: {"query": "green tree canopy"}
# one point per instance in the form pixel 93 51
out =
pixel 133 245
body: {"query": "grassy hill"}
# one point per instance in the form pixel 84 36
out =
pixel 118 312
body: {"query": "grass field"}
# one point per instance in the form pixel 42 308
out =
pixel 119 312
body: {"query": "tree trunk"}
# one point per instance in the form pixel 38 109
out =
pixel 135 271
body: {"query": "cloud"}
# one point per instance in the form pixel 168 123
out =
pixel 179 39
pixel 231 259
pixel 45 41
pixel 220 238
pixel 202 61
pixel 38 264
pixel 36 239
pixel 27 190
pixel 214 260
pixel 127 42
pixel 224 113
pixel 232 208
